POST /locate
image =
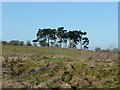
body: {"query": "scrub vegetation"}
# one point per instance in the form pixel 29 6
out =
pixel 51 67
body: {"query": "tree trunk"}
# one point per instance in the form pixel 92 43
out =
pixel 54 42
pixel 80 44
pixel 48 42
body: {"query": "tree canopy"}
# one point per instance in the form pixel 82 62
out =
pixel 62 38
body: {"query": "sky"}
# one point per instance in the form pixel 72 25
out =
pixel 21 20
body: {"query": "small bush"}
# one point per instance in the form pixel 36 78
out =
pixel 34 44
pixel 28 43
pixel 97 49
pixel 4 43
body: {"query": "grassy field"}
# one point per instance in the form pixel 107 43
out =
pixel 42 67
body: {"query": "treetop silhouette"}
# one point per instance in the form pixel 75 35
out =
pixel 62 38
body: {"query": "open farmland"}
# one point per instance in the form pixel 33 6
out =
pixel 43 67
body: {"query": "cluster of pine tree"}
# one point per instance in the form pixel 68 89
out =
pixel 62 38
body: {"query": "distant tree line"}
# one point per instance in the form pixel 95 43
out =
pixel 13 42
pixel 62 38
pixel 17 43
pixel 21 43
pixel 98 49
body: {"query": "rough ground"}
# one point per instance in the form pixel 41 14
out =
pixel 35 67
